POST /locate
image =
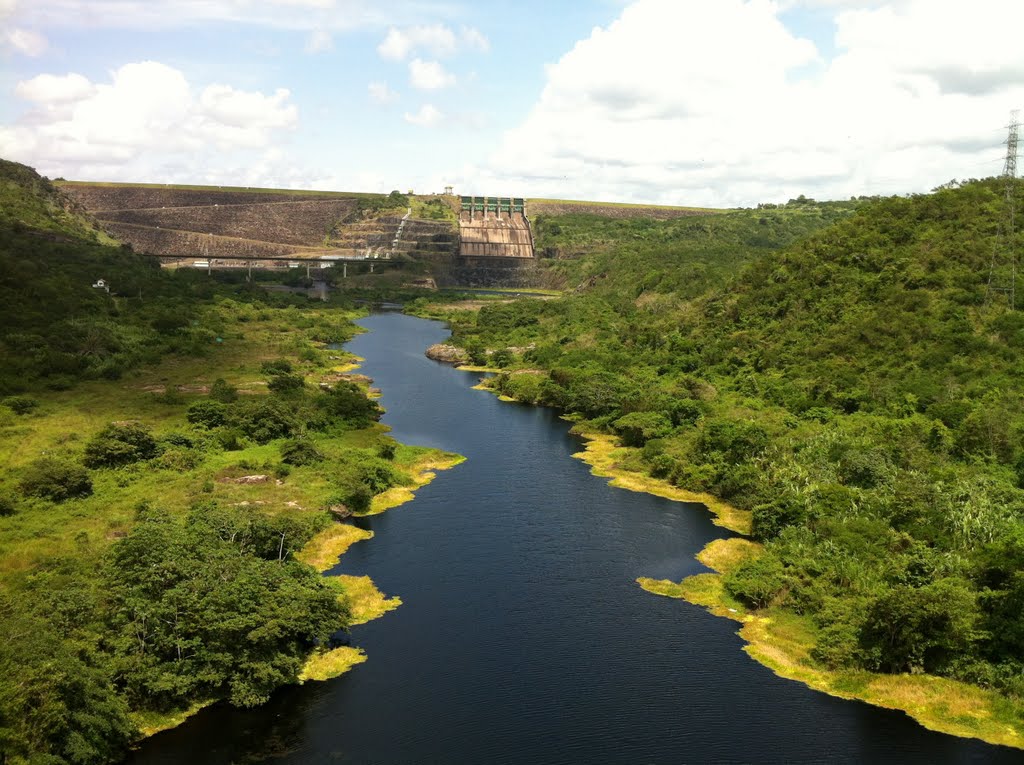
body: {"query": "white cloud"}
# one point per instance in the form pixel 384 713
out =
pixel 24 41
pixel 381 94
pixel 717 102
pixel 435 40
pixel 473 39
pixel 427 116
pixel 51 89
pixel 147 110
pixel 246 109
pixel 319 40
pixel 17 39
pixel 429 75
pixel 306 15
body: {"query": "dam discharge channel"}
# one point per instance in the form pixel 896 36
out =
pixel 523 637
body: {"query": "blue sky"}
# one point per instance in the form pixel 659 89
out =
pixel 710 102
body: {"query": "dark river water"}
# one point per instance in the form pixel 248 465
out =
pixel 523 637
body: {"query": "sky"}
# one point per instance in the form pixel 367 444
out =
pixel 714 103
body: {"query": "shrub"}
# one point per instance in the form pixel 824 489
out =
pixel 20 404
pixel 7 506
pixel 208 414
pixel 637 428
pixel 263 420
pixel 355 497
pixel 770 518
pixel 756 582
pixel 347 402
pixel 733 441
pixel 178 439
pixel 120 444
pixel 276 367
pixel 56 480
pixel 502 358
pixel 864 467
pixel 527 388
pixel 178 459
pixel 286 383
pixel 223 391
pixel 299 451
pixel 230 440
pixel 685 411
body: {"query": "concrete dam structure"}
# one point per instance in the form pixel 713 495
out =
pixel 495 227
pixel 482 242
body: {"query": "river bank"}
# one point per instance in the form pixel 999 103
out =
pixel 782 640
pixel 323 552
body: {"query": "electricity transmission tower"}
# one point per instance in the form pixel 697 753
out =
pixel 1002 273
pixel 1010 166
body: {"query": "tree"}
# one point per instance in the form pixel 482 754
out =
pixel 920 629
pixel 213 608
pixel 502 357
pixel 62 708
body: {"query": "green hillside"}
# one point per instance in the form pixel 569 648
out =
pixel 855 387
pixel 170 451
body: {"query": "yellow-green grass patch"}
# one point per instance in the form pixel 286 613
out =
pixel 323 551
pixel 365 600
pixel 603 453
pixel 724 555
pixel 150 723
pixel 328 664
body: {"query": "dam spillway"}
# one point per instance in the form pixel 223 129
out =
pixel 495 227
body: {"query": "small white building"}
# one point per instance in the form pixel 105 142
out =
pixel 101 284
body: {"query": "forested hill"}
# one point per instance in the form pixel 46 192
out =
pixel 58 328
pixel 856 389
pixel 888 310
pixel 29 201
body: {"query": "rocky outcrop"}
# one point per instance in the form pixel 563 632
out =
pixel 447 353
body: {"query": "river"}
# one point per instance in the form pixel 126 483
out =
pixel 523 637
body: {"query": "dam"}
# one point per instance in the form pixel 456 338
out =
pixel 495 227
